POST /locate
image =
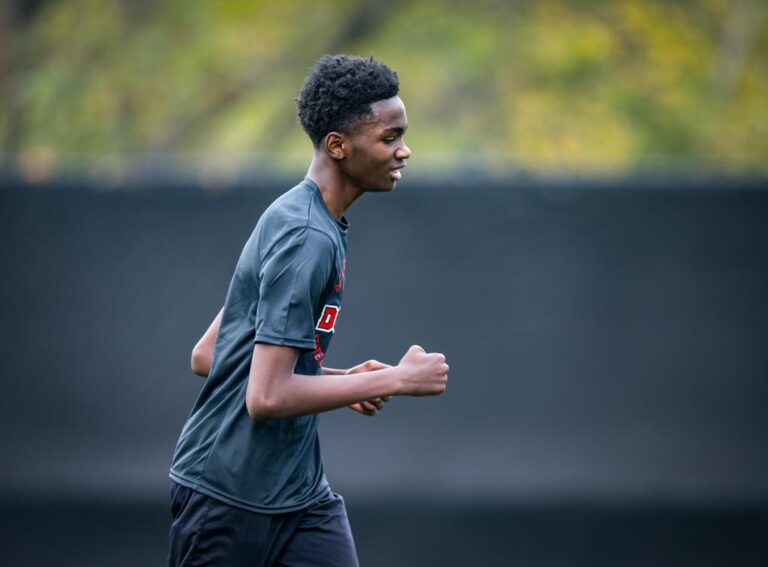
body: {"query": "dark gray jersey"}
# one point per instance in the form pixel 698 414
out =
pixel 286 290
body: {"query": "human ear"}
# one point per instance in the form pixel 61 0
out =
pixel 334 145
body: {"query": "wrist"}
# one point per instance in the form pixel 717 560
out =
pixel 398 380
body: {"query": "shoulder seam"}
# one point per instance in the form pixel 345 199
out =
pixel 316 195
pixel 268 251
pixel 309 207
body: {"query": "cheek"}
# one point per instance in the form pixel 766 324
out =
pixel 381 156
pixel 367 162
pixel 370 159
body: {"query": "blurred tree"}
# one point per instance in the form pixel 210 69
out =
pixel 546 83
pixel 16 16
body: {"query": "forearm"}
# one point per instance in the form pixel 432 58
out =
pixel 301 395
pixel 274 391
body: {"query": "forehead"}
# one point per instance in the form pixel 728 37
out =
pixel 387 113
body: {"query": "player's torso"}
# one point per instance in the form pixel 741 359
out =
pixel 274 464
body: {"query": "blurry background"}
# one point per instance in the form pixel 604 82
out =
pixel 582 230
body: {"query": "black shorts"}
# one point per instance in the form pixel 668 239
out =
pixel 206 531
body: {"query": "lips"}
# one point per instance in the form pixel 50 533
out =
pixel 395 172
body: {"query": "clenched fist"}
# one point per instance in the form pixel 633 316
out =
pixel 423 373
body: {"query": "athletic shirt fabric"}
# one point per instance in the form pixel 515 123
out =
pixel 286 290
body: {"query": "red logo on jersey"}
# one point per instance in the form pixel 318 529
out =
pixel 318 353
pixel 327 320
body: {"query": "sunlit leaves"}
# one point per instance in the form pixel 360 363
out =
pixel 546 82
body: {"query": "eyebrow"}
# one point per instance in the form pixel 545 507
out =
pixel 396 129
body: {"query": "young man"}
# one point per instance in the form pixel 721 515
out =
pixel 247 479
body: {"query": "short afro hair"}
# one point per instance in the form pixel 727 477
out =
pixel 338 92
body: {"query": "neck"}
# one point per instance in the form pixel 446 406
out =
pixel 336 189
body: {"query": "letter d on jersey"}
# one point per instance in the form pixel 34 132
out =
pixel 327 320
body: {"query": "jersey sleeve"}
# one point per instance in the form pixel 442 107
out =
pixel 292 280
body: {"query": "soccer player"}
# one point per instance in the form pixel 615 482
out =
pixel 247 481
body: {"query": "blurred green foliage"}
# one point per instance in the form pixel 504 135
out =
pixel 542 84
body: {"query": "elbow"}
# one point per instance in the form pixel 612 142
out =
pixel 261 408
pixel 200 361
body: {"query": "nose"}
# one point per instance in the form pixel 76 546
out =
pixel 403 152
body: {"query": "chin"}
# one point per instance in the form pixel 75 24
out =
pixel 382 188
